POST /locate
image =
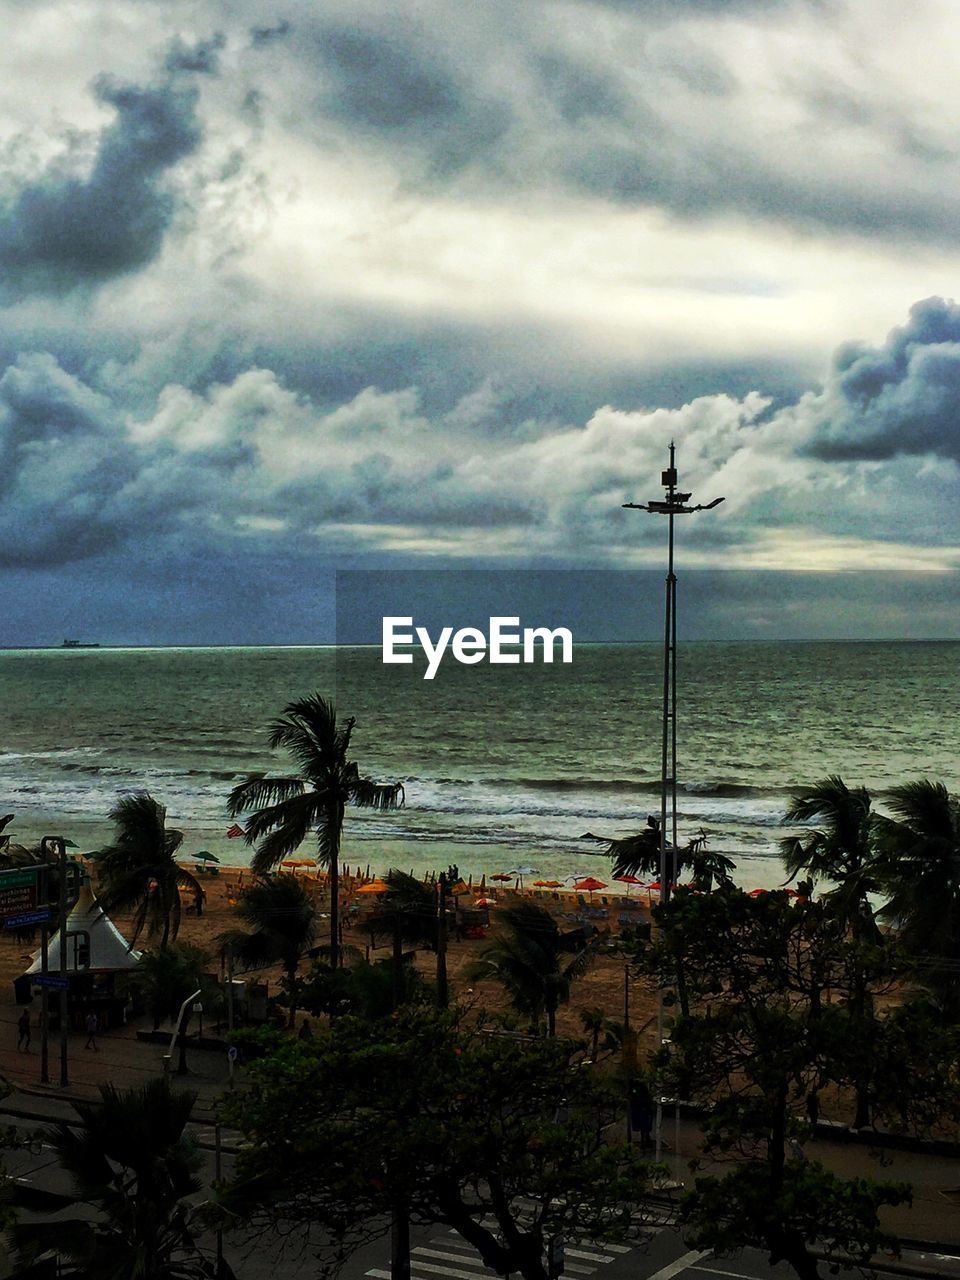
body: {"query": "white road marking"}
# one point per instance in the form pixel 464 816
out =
pixel 582 1253
pixel 443 1271
pixel 682 1263
pixel 474 1260
pixel 713 1271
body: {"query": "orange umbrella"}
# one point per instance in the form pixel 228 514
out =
pixel 590 885
pixel 375 886
pixel 548 884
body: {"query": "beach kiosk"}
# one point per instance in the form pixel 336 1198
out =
pixel 97 952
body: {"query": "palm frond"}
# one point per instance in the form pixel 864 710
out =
pixel 260 791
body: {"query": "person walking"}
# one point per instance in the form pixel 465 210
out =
pixel 92 1025
pixel 23 1026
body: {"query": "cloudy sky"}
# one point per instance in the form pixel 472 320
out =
pixel 345 285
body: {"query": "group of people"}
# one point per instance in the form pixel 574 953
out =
pixel 25 1031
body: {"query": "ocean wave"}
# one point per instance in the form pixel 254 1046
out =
pixel 646 786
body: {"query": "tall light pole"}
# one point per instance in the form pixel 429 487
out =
pixel 674 503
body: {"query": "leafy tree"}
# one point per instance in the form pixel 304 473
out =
pixel 920 845
pixel 283 924
pixel 131 1161
pixel 762 1038
pixel 363 988
pixel 534 960
pixel 162 980
pixel 500 1140
pixel 287 809
pixel 138 872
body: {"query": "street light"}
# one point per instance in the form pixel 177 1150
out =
pixel 674 503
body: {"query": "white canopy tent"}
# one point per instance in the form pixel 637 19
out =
pixel 109 949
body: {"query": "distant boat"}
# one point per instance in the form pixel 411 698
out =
pixel 78 644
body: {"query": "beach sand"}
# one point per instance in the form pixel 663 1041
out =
pixel 602 986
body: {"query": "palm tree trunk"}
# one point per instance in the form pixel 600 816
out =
pixel 334 869
pixel 291 979
pixel 551 1019
pixel 397 964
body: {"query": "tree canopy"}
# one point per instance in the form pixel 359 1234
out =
pixel 501 1139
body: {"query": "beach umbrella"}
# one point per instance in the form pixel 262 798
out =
pixel 485 902
pixel 590 885
pixel 502 875
pixel 524 871
pixel 375 886
pixel 755 893
pixel 628 880
pixel 205 856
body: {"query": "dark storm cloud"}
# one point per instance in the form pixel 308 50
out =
pixel 203 56
pixel 899 398
pixel 63 464
pixel 263 35
pixel 384 84
pixel 652 114
pixel 63 230
pixel 577 90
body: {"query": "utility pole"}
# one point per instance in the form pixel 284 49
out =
pixel 673 503
pixel 443 997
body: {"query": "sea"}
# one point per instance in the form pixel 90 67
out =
pixel 503 767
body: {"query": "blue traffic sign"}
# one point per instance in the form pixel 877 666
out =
pixel 51 980
pixel 25 918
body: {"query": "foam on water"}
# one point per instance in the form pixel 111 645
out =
pixel 500 762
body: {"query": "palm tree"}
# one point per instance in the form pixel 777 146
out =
pixel 640 855
pixel 284 923
pixel 534 961
pixel 131 1161
pixel 139 871
pixel 287 809
pixel 844 850
pixel 408 912
pixel 921 849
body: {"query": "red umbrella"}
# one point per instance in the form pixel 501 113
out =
pixel 755 893
pixel 628 879
pixel 485 902
pixel 590 885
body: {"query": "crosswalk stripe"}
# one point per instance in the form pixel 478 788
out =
pixel 474 1261
pixel 617 1248
pixel 582 1253
pixel 680 1264
pixel 444 1271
